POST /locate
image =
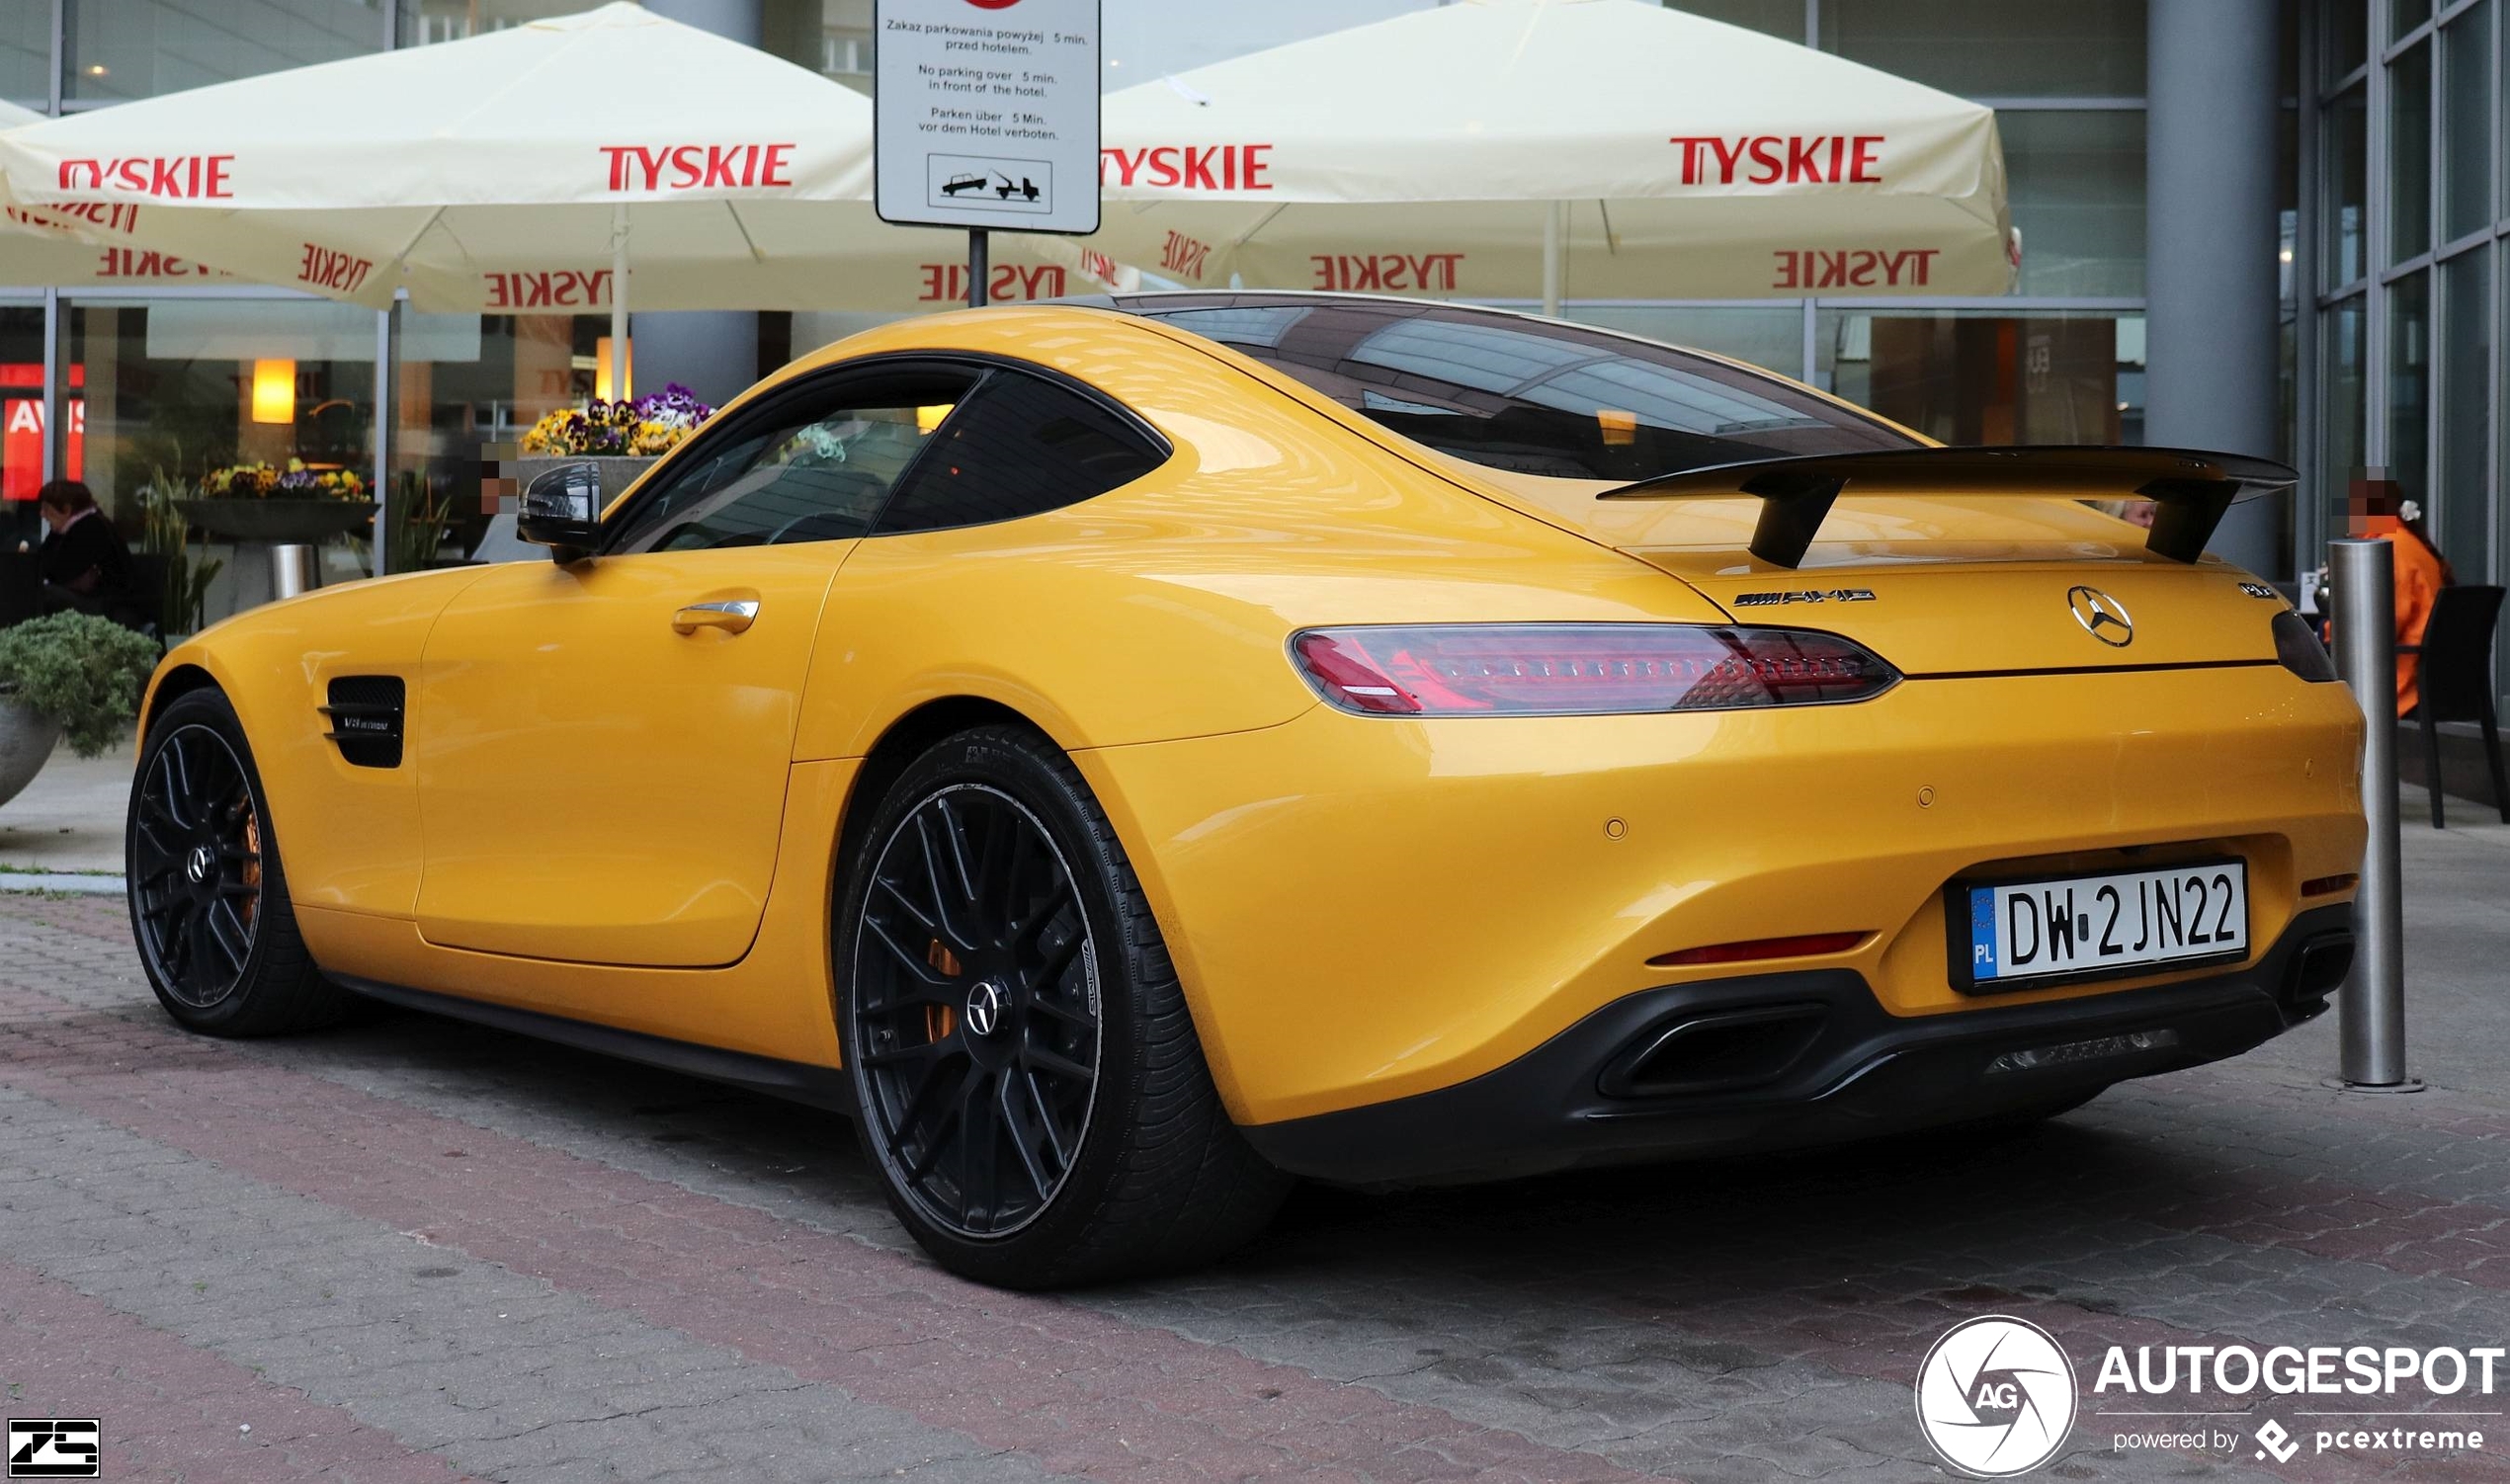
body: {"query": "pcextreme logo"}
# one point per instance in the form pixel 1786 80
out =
pixel 1996 1397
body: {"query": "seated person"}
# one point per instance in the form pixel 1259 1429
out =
pixel 83 562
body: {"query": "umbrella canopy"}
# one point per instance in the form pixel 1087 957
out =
pixel 39 253
pixel 514 171
pixel 1664 156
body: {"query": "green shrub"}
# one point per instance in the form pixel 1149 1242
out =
pixel 84 672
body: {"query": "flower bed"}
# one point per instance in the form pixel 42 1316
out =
pixel 655 422
pixel 263 481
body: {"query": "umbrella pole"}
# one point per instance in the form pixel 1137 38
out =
pixel 978 269
pixel 387 365
pixel 619 358
pixel 1552 212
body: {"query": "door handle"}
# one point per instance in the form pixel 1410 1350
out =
pixel 730 615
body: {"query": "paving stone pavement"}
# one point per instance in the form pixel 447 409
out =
pixel 416 1250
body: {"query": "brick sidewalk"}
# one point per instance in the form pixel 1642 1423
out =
pixel 420 1251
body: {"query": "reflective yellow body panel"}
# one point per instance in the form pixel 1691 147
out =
pixel 595 784
pixel 603 819
pixel 1371 907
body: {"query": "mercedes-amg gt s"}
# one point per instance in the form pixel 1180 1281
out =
pixel 1130 754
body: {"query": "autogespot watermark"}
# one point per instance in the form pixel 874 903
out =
pixel 1997 1397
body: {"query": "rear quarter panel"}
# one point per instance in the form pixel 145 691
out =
pixel 1162 610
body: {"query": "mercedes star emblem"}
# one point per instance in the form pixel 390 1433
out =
pixel 984 1008
pixel 2102 617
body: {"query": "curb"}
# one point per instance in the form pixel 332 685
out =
pixel 85 885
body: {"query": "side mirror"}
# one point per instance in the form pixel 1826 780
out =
pixel 562 511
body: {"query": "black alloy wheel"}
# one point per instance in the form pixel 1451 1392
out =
pixel 975 1004
pixel 1027 1076
pixel 209 897
pixel 196 862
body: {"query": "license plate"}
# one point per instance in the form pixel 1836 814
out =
pixel 2117 922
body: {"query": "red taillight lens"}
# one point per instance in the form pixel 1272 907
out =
pixel 1808 946
pixel 1582 669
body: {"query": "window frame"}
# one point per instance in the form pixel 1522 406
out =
pixel 830 382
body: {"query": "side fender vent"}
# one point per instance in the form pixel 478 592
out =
pixel 365 718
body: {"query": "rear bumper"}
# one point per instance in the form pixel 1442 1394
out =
pixel 1784 1060
pixel 1366 909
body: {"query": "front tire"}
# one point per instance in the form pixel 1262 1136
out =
pixel 208 898
pixel 1029 1080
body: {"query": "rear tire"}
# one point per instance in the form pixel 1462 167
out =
pixel 1030 1085
pixel 208 898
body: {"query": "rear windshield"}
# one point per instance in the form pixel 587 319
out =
pixel 1531 397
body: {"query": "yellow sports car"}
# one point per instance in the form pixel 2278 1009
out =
pixel 1134 752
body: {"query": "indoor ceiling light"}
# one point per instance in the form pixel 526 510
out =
pixel 608 387
pixel 274 391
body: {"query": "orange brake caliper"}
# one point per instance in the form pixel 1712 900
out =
pixel 941 1020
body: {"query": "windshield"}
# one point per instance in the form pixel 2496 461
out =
pixel 1528 395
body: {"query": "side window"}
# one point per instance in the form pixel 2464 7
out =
pixel 1020 446
pixel 812 468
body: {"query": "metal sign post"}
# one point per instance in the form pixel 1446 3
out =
pixel 985 116
pixel 2372 1007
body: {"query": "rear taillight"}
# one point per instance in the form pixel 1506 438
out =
pixel 1582 669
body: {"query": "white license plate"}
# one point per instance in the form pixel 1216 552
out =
pixel 2115 922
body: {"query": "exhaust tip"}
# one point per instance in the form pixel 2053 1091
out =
pixel 2319 968
pixel 1715 1052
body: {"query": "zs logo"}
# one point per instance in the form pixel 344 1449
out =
pixel 53 1448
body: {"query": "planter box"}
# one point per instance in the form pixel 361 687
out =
pixel 26 741
pixel 277 521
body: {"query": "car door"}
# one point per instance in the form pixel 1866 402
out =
pixel 603 745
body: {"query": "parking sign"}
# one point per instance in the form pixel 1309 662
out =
pixel 985 113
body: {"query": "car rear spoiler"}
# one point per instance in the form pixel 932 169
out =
pixel 2193 488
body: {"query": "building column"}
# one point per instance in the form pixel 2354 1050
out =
pixel 712 353
pixel 2210 327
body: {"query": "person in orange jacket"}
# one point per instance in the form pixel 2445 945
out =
pixel 2378 509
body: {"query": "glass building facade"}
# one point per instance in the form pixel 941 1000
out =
pixel 2389 206
pixel 2403 126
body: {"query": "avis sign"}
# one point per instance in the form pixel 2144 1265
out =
pixel 984 113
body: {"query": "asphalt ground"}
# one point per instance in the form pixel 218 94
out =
pixel 416 1250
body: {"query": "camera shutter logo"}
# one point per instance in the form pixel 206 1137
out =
pixel 1996 1397
pixel 54 1447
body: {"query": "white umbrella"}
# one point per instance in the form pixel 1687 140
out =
pixel 551 168
pixel 38 252
pixel 1485 147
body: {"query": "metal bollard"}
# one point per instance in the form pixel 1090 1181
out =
pixel 2371 1007
pixel 293 569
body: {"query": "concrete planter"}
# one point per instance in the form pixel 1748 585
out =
pixel 278 521
pixel 26 740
